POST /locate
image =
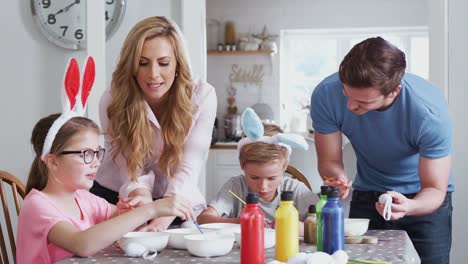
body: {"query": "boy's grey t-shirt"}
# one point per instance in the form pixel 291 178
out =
pixel 228 206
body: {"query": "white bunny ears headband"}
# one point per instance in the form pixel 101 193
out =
pixel 253 129
pixel 74 99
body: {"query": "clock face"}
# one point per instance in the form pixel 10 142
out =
pixel 63 22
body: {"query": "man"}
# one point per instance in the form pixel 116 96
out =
pixel 400 130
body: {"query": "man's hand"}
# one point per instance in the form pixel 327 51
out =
pixel 400 207
pixel 341 182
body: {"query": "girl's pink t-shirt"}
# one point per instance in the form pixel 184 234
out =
pixel 39 214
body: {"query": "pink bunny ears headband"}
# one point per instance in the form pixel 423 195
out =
pixel 74 99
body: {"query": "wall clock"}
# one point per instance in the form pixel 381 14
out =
pixel 63 22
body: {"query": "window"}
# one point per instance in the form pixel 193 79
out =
pixel 307 56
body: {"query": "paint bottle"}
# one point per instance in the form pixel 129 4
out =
pixel 333 224
pixel 252 231
pixel 310 226
pixel 287 228
pixel 323 200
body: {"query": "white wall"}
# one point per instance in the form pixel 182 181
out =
pixel 32 69
pixel 458 98
pixel 251 16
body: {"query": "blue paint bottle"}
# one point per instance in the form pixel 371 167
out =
pixel 333 224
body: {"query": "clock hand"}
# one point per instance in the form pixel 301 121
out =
pixel 70 5
pixel 65 9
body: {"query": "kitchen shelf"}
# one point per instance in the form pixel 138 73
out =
pixel 239 52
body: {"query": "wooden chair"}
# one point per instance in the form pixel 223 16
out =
pixel 18 190
pixel 296 174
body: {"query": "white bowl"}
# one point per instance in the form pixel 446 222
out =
pixel 214 244
pixel 356 226
pixel 221 228
pixel 269 237
pixel 155 241
pixel 176 236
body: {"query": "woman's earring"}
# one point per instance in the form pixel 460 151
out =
pixel 176 73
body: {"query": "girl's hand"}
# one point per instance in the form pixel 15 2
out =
pixel 342 182
pixel 166 210
pixel 134 201
pixel 123 204
pixel 157 224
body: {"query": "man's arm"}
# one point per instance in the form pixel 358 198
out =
pixel 434 175
pixel 329 154
pixel 330 160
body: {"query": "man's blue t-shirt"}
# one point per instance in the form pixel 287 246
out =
pixel 388 143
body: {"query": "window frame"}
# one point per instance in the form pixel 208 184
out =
pixel 344 38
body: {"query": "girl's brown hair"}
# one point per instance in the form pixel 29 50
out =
pixel 129 127
pixel 373 62
pixel 38 173
pixel 264 153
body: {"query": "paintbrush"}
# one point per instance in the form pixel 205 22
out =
pixel 238 198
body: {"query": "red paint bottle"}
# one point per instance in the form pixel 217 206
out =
pixel 252 222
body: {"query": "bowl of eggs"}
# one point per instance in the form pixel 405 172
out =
pixel 221 228
pixel 209 245
pixel 152 241
pixel 269 237
pixel 355 226
pixel 176 236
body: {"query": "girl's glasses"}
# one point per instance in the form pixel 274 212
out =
pixel 88 154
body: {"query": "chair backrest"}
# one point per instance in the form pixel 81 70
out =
pixel 18 190
pixel 296 174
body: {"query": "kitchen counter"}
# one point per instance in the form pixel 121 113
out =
pixel 224 145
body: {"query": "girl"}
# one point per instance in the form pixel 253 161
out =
pixel 59 217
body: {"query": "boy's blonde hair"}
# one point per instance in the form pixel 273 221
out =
pixel 264 153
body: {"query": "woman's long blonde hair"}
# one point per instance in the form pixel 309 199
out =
pixel 129 127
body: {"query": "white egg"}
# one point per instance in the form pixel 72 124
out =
pixel 383 198
pixel 188 224
pixel 319 257
pixel 340 257
pixel 134 250
pixel 299 258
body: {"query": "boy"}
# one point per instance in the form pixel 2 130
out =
pixel 263 161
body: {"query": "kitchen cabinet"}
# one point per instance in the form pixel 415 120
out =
pixel 222 164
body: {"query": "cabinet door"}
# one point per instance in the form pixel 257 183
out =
pixel 221 166
pixel 221 175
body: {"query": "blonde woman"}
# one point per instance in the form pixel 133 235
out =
pixel 157 121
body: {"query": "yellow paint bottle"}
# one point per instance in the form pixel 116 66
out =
pixel 287 228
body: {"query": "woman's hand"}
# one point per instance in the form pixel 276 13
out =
pixel 342 182
pixel 401 205
pixel 166 210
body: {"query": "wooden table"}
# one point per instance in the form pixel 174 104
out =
pixel 394 246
